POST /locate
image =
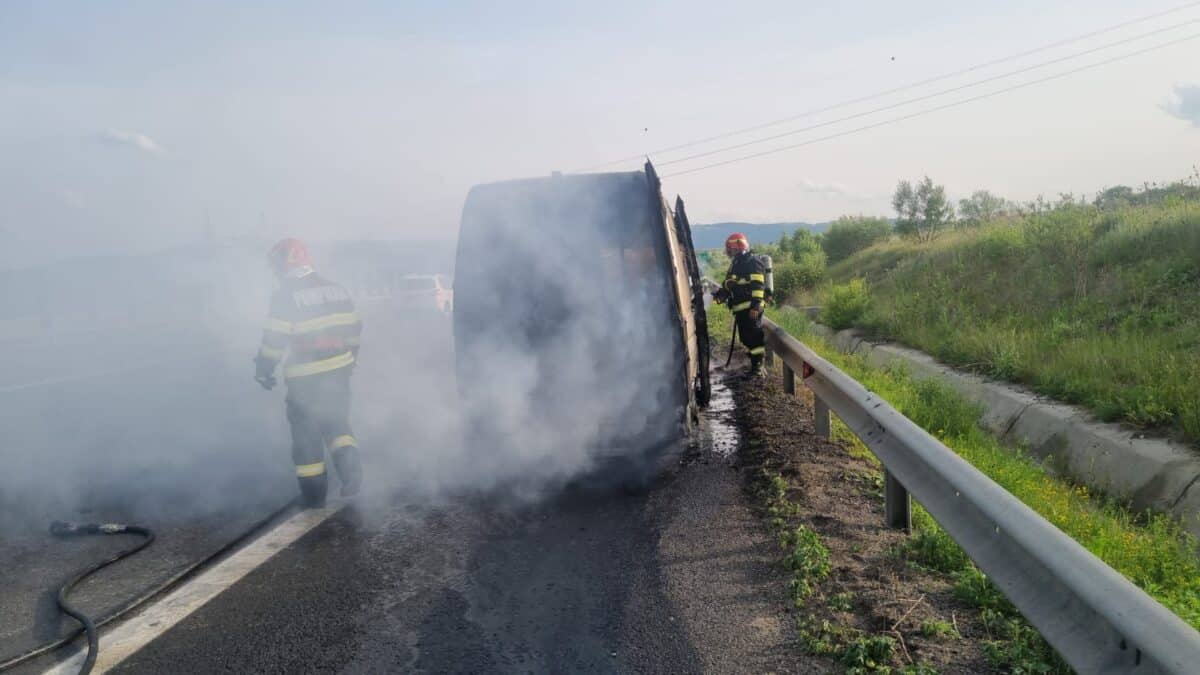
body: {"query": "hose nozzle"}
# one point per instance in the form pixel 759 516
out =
pixel 63 528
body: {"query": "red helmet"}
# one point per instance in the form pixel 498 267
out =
pixel 289 256
pixel 737 243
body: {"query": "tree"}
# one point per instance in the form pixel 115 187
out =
pixel 850 234
pixel 905 203
pixel 1115 197
pixel 923 212
pixel 799 243
pixel 981 207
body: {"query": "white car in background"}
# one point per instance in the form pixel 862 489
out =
pixel 422 293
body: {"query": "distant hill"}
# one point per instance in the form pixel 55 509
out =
pixel 712 235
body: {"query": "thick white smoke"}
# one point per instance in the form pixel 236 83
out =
pixel 132 394
pixel 571 356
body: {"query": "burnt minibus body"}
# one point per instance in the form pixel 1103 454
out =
pixel 577 323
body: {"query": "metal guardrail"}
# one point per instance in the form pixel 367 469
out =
pixel 1096 619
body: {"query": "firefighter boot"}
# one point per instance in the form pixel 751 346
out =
pixel 312 491
pixel 756 366
pixel 349 469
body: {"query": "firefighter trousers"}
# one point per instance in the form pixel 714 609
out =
pixel 318 410
pixel 751 333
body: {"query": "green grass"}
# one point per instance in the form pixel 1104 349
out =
pixel 1151 550
pixel 1097 308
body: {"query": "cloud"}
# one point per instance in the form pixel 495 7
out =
pixel 831 190
pixel 132 139
pixel 1187 105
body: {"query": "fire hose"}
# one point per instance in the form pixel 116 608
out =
pixel 90 626
pixel 64 529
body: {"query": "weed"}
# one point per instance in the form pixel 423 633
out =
pixel 841 602
pixel 824 638
pixel 808 559
pixel 1016 647
pixel 973 586
pixel 936 629
pixel 933 549
pixel 869 655
pixel 775 495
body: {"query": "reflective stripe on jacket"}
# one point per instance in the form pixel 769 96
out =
pixel 746 282
pixel 313 321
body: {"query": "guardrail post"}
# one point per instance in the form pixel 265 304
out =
pixel 897 505
pixel 770 354
pixel 789 379
pixel 820 417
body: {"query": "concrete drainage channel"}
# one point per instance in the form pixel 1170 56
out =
pixel 1151 473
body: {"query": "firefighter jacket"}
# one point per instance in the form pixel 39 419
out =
pixel 313 321
pixel 746 282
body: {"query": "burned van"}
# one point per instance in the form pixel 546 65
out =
pixel 578 323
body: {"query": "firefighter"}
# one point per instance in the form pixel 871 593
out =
pixel 314 322
pixel 745 290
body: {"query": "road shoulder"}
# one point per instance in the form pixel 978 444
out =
pixel 721 565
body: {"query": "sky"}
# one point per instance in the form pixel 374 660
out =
pixel 134 126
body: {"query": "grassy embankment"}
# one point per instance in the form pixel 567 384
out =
pixel 1150 550
pixel 1095 307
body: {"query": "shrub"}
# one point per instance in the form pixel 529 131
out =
pixel 850 234
pixel 845 304
pixel 801 275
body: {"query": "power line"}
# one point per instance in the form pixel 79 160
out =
pixel 904 87
pixel 954 104
pixel 925 97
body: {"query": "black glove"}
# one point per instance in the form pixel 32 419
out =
pixel 720 296
pixel 264 372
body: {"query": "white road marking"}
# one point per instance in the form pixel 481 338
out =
pixel 118 643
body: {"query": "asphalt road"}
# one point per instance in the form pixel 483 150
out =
pixel 190 447
pixel 679 578
pixel 563 587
